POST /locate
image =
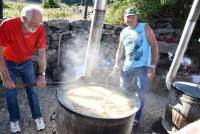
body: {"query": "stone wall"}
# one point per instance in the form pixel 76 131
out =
pixel 67 44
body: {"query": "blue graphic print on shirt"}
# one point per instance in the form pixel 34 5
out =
pixel 136 46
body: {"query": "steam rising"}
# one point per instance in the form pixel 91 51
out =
pixel 75 55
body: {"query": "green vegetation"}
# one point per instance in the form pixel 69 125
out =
pixel 145 8
pixel 178 10
pixel 51 3
pixel 12 9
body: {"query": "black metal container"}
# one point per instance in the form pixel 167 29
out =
pixel 183 106
pixel 70 121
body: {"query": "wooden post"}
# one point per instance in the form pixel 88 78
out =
pixel 86 9
pixel 1 9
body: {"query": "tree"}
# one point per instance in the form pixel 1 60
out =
pixel 1 9
pixel 145 8
pixel 51 3
pixel 85 9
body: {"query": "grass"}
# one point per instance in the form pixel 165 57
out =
pixel 12 9
pixel 69 12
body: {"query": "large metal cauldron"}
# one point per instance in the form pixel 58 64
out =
pixel 73 121
pixel 183 106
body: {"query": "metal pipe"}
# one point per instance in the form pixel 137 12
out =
pixel 186 35
pixel 100 5
pixel 95 36
pixel 60 35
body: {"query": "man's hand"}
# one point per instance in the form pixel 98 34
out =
pixel 151 72
pixel 41 81
pixel 9 84
pixel 116 68
pixel 114 71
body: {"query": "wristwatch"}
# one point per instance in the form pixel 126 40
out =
pixel 116 66
pixel 152 66
pixel 42 74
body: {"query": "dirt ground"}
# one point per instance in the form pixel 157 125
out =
pixel 150 123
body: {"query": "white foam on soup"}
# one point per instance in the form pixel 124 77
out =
pixel 98 101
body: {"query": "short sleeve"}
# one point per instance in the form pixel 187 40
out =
pixel 4 34
pixel 41 38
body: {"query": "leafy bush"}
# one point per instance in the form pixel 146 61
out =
pixel 115 11
pixel 51 3
pixel 145 9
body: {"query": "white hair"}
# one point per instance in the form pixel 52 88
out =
pixel 29 10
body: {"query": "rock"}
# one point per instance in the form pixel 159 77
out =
pixel 54 44
pixel 48 30
pixel 62 23
pixel 51 52
pixel 107 26
pixel 86 24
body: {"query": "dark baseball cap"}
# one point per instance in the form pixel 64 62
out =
pixel 130 11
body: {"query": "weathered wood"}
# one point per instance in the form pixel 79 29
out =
pixel 182 107
pixel 85 10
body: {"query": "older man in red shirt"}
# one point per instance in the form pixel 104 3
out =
pixel 20 37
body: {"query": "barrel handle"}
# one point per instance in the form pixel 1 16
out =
pixel 177 110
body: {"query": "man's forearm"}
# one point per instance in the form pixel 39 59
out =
pixel 42 65
pixel 117 60
pixel 118 55
pixel 153 44
pixel 3 68
pixel 154 52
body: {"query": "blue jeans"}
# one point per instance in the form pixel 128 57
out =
pixel 26 71
pixel 139 75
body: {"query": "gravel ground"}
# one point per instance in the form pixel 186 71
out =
pixel 48 103
pixel 150 123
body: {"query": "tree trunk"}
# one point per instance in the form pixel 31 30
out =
pixel 1 9
pixel 86 9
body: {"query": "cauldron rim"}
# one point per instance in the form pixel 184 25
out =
pixel 60 100
pixel 183 91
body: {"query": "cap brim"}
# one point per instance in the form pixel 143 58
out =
pixel 129 14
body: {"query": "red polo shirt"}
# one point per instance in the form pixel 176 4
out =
pixel 20 46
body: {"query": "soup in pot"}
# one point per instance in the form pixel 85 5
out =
pixel 98 101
